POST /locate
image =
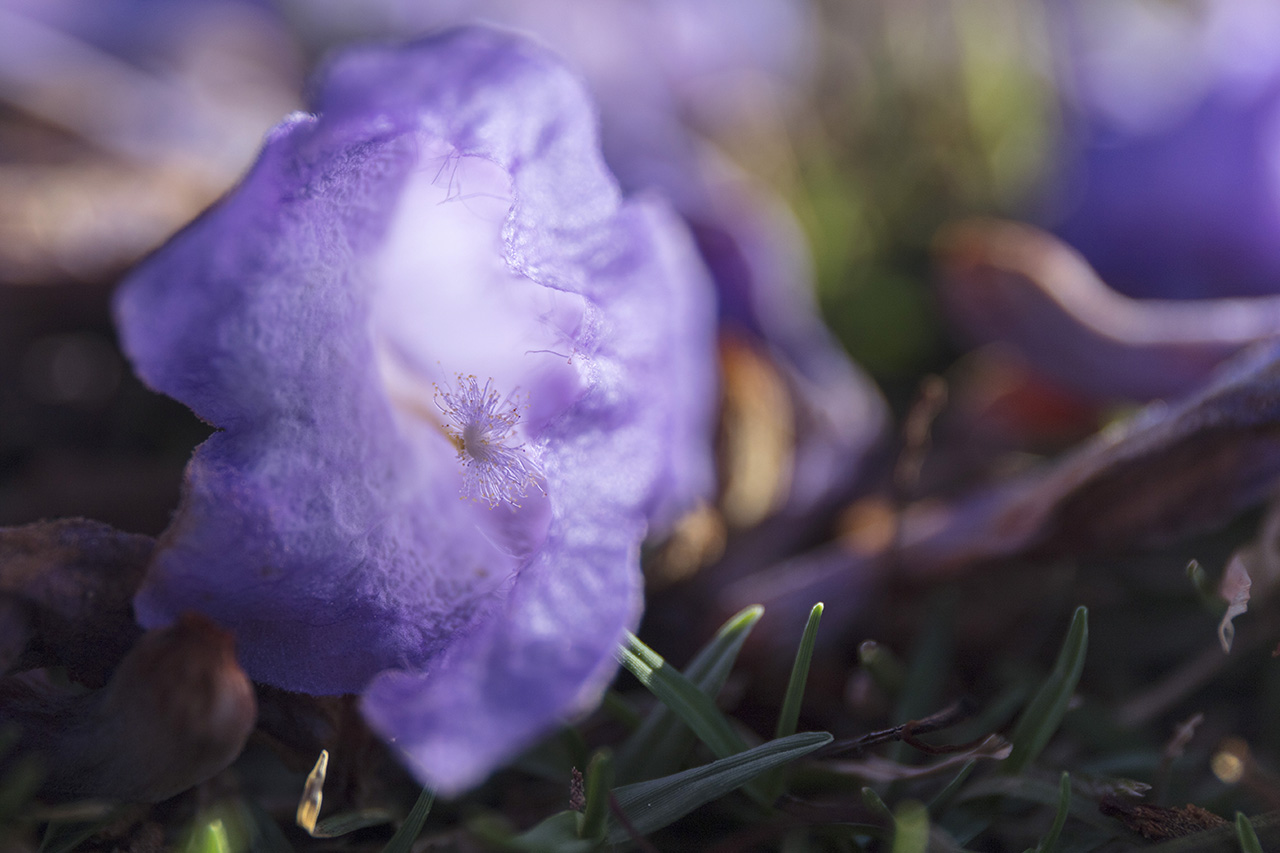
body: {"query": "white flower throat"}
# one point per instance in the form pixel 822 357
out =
pixel 462 305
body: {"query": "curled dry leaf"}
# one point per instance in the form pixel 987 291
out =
pixel 1235 591
pixel 1006 281
pixel 1169 471
pixel 66 596
pixel 177 710
pixel 877 769
pixel 1253 572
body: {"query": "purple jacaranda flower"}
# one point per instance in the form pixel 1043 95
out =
pixel 456 379
pixel 1169 185
pixel 670 75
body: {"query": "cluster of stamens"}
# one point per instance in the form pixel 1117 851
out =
pixel 480 423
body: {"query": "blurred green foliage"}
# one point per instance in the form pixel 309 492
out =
pixel 926 112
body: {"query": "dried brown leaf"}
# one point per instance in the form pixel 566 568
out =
pixel 1157 823
pixel 877 769
pixel 66 596
pixel 177 710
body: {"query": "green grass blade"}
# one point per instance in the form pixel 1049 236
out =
pixel 930 662
pixel 599 784
pixel 651 805
pixel 616 706
pixel 18 787
pixel 556 834
pixel 65 837
pixel 710 667
pixel 942 800
pixel 789 716
pixel 682 696
pixel 876 806
pixel 1034 790
pixel 409 831
pixel 926 673
pixel 1249 842
pixel 911 828
pixel 1206 589
pixel 886 670
pixel 1045 712
pixel 348 822
pixel 662 741
pixel 1049 844
pixel 209 837
pixel 267 837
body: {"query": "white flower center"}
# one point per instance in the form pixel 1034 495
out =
pixel 481 423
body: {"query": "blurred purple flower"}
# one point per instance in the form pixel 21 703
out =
pixel 1170 187
pixel 430 290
